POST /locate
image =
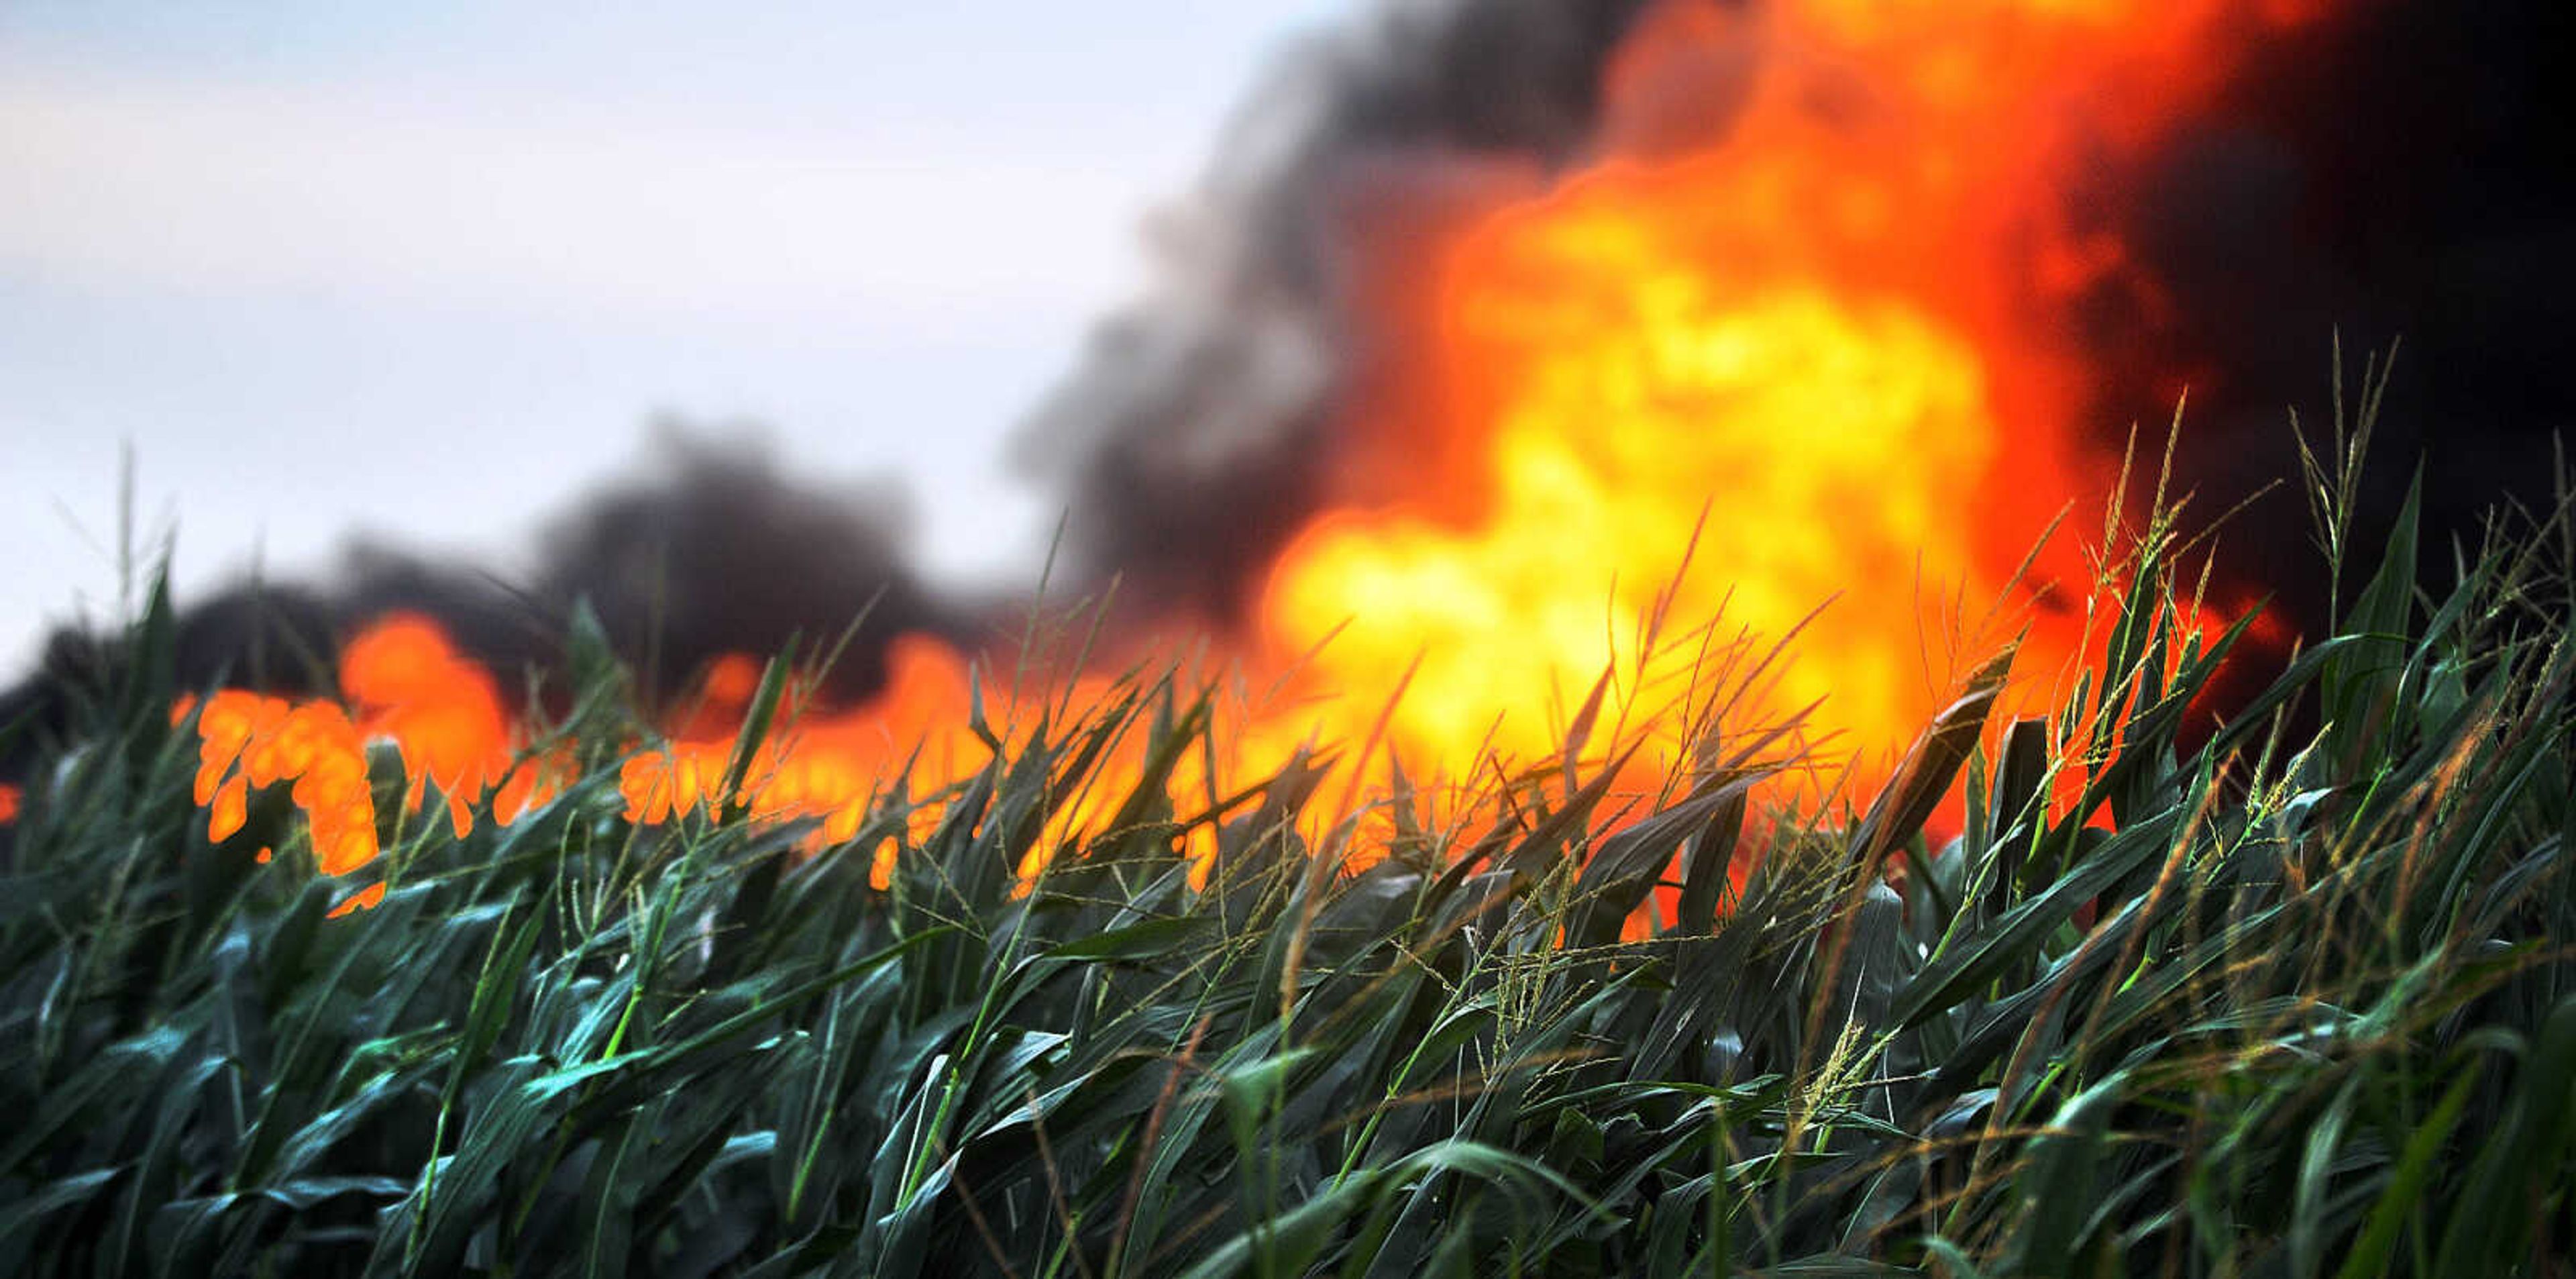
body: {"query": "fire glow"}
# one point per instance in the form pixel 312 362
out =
pixel 1800 325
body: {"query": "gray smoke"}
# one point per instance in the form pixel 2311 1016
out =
pixel 1192 437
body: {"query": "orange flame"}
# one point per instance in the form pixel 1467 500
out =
pixel 1801 325
pixel 830 767
pixel 248 741
pixel 1832 332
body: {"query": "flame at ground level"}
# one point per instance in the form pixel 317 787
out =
pixel 839 769
pixel 405 683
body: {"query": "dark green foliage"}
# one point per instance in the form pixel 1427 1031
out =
pixel 2255 1002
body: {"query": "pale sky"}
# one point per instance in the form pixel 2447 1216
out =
pixel 426 271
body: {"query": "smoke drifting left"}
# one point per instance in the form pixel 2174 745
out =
pixel 709 550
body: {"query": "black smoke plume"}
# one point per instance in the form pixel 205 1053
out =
pixel 2398 174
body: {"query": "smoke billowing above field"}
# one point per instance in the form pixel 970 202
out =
pixel 2386 168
